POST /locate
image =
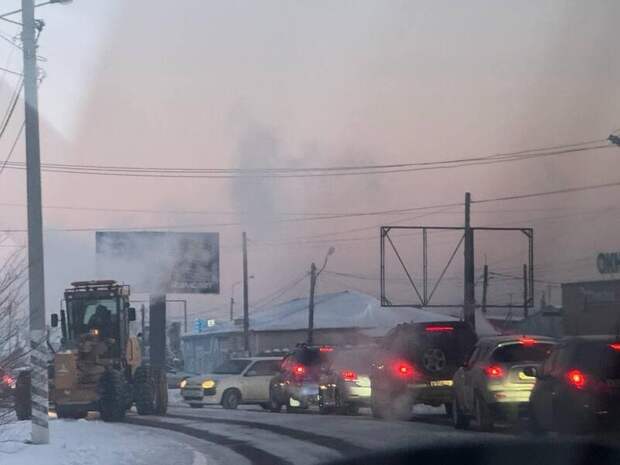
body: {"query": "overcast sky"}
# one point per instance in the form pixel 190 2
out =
pixel 322 83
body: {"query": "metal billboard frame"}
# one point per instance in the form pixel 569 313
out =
pixel 425 298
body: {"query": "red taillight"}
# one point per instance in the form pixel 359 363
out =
pixel 348 375
pixel 494 371
pixel 326 349
pixel 8 380
pixel 299 370
pixel 576 379
pixel 439 329
pixel 527 341
pixel 615 346
pixel 403 369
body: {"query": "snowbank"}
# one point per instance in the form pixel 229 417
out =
pixel 92 442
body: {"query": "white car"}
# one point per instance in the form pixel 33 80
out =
pixel 237 381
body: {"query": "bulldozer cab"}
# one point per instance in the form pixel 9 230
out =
pixel 97 310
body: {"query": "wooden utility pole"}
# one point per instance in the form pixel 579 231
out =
pixel 246 313
pixel 485 287
pixel 469 304
pixel 525 292
pixel 311 304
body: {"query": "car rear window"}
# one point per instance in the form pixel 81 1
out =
pixel 231 367
pixel 311 357
pixel 598 358
pixel 515 353
pixel 356 360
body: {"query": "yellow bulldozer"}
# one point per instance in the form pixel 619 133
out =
pixel 99 364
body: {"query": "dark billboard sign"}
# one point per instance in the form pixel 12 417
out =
pixel 160 262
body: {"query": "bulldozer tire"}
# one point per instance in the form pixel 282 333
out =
pixel 143 390
pixel 23 406
pixel 112 392
pixel 161 391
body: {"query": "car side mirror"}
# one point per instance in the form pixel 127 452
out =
pixel 54 320
pixel 532 372
pixel 131 314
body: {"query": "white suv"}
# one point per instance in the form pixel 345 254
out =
pixel 237 381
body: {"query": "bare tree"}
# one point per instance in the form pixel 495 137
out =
pixel 13 321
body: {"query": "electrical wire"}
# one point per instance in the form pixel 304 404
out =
pixel 10 154
pixel 211 173
pixel 546 193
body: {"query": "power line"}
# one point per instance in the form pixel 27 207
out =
pixel 266 300
pixel 10 71
pixel 546 193
pixel 229 173
pixel 190 226
pixel 10 154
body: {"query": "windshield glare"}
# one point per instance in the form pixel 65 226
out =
pixel 407 203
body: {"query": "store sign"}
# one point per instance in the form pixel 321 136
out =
pixel 608 262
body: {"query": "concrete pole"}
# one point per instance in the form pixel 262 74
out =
pixel 36 295
pixel 246 312
pixel 485 288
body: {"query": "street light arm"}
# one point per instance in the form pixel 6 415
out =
pixel 329 252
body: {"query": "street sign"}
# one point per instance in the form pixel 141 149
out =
pixel 199 325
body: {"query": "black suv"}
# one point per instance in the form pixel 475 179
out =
pixel 297 384
pixel 578 387
pixel 416 364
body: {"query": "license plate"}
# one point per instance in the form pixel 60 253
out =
pixel 524 377
pixel 294 402
pixel 443 382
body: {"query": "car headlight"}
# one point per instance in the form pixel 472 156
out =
pixel 208 384
pixel 183 383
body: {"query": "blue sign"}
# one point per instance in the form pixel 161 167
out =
pixel 199 326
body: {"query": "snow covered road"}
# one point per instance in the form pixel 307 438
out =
pixel 212 436
pixel 254 436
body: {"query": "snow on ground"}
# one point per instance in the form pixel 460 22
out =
pixel 175 398
pixel 93 442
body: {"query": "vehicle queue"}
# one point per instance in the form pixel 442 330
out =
pixel 567 385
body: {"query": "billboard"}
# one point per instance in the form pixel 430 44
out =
pixel 160 262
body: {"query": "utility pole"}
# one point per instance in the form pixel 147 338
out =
pixel 485 287
pixel 246 313
pixel 525 293
pixel 232 306
pixel 314 275
pixel 311 304
pixel 143 323
pixel 469 304
pixel 36 289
